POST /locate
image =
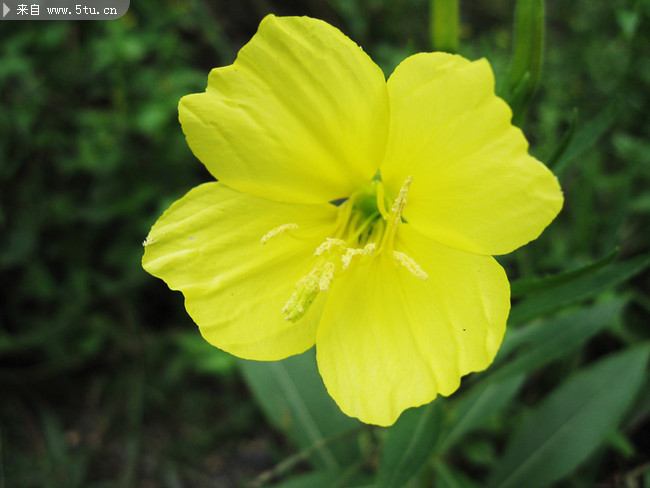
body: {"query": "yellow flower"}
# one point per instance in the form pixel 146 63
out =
pixel 352 213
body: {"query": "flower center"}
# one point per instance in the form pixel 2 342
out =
pixel 364 229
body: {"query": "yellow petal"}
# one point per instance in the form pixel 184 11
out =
pixel 208 245
pixel 300 116
pixel 389 340
pixel 475 187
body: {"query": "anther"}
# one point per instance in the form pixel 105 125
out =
pixel 326 277
pixel 346 259
pixel 303 295
pixel 306 289
pixel 410 264
pixel 277 231
pixel 400 201
pixel 396 215
pixel 368 250
pixel 328 245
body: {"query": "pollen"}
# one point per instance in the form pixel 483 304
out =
pixel 365 227
pixel 302 297
pixel 409 263
pixel 400 201
pixel 277 231
pixel 368 250
pixel 329 245
pixel 326 276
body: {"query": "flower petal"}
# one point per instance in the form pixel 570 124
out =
pixel 207 245
pixel 475 187
pixel 389 341
pixel 301 115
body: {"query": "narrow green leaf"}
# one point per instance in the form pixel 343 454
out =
pixel 546 341
pixel 571 422
pixel 567 138
pixel 444 25
pixel 527 57
pixel 408 445
pixel 577 289
pixel 349 477
pixel 292 395
pixel 586 137
pixel 200 355
pixel 621 444
pixel 448 477
pixel 641 410
pixel 535 285
pixel 477 406
pixel 318 479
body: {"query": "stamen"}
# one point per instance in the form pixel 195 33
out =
pixel 326 276
pixel 302 297
pixel 148 241
pixel 277 231
pixel 396 215
pixel 364 218
pixel 305 291
pixel 381 204
pixel 400 201
pixel 347 258
pixel 361 228
pixel 368 250
pixel 410 264
pixel 328 245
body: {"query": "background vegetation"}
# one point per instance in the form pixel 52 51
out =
pixel 104 380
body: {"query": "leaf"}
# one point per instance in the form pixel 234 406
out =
pixel 447 477
pixel 549 340
pixel 201 356
pixel 577 289
pixel 523 287
pixel 292 395
pixel 408 445
pixel 587 136
pixel 318 479
pixel 571 422
pixel 567 138
pixel 621 444
pixel 478 405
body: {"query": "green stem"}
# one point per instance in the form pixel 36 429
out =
pixel 291 461
pixel 527 57
pixel 444 25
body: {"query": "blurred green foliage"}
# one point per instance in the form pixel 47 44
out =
pixel 105 381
